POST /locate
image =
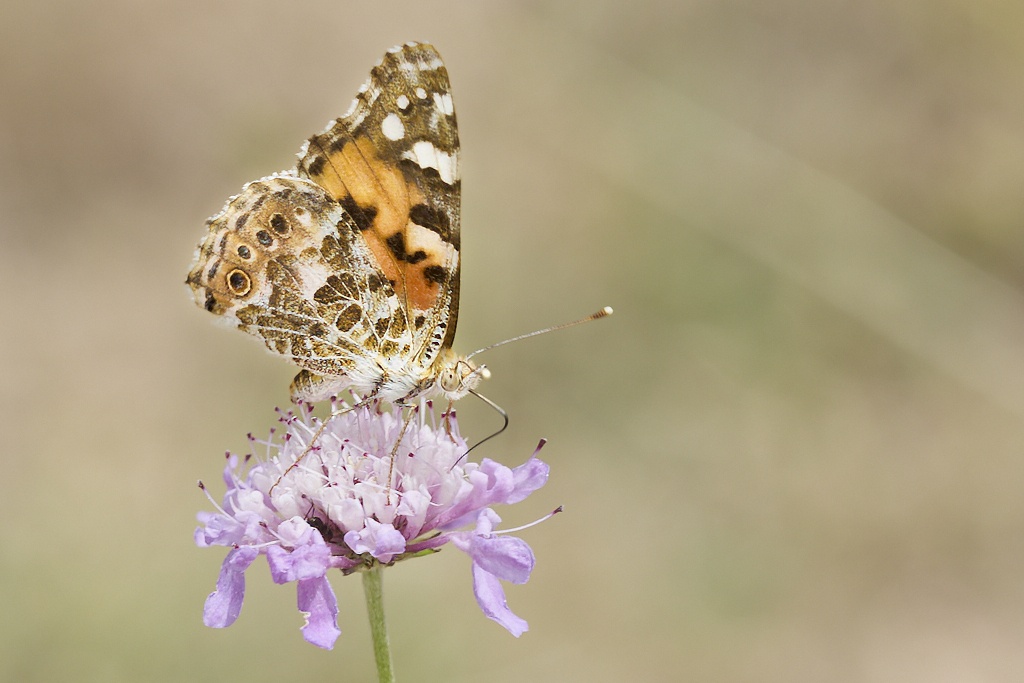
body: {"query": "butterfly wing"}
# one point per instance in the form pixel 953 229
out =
pixel 392 163
pixel 349 266
pixel 282 262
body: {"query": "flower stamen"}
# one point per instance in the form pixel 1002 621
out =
pixel 527 526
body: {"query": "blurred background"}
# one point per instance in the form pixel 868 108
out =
pixel 796 452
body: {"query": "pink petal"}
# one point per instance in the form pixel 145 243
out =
pixel 318 604
pixel 491 598
pixel 224 604
pixel 382 541
pixel 308 561
pixel 529 477
pixel 506 557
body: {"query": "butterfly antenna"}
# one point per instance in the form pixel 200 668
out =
pixel 504 426
pixel 603 313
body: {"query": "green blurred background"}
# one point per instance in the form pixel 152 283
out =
pixel 794 454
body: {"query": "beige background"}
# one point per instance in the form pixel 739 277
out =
pixel 794 454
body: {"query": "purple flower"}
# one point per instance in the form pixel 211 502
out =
pixel 338 509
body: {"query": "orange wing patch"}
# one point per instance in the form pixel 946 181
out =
pixel 380 200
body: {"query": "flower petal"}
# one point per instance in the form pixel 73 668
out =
pixel 224 604
pixel 320 608
pixel 529 477
pixel 382 541
pixel 492 483
pixel 296 532
pixel 491 598
pixel 309 559
pixel 507 557
pixel 348 514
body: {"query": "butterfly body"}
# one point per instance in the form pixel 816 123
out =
pixel 348 264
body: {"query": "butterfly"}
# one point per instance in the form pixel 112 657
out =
pixel 348 264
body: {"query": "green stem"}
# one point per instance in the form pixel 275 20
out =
pixel 374 590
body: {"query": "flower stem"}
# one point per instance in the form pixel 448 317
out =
pixel 374 590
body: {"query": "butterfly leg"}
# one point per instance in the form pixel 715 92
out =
pixel 448 420
pixel 406 419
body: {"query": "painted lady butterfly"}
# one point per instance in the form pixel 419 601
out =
pixel 348 265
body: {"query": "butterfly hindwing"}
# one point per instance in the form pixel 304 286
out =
pixel 284 263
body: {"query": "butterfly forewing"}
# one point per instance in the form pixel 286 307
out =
pixel 392 164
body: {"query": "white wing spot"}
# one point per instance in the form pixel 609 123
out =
pixel 421 93
pixel 392 127
pixel 443 101
pixel 427 156
pixel 402 102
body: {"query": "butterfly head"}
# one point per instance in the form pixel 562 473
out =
pixel 457 375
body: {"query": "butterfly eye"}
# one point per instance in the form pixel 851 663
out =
pixel 448 380
pixel 279 224
pixel 239 282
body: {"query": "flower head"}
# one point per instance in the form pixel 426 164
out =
pixel 340 500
